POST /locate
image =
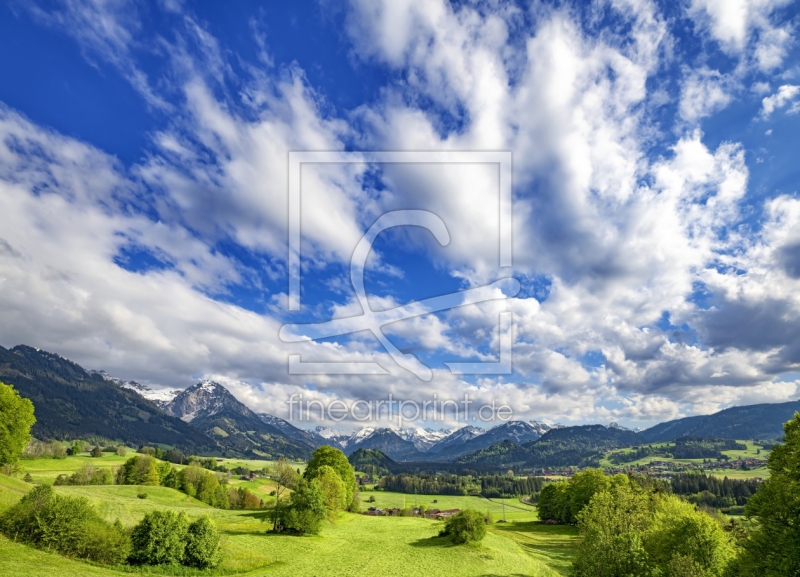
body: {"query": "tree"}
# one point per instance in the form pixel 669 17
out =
pixel 465 527
pixel 627 530
pixel 335 459
pixel 553 502
pixel 16 420
pixel 306 509
pixel 774 546
pixel 121 451
pixel 333 488
pixel 611 527
pixel 202 544
pixel 97 451
pixel 159 538
pixel 285 478
pixel 684 541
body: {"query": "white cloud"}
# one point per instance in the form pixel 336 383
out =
pixel 741 24
pixel 621 236
pixel 781 98
pixel 703 93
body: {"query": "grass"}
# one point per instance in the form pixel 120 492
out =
pixel 46 470
pixel 750 452
pixel 514 509
pixel 552 545
pixel 356 545
pixel 11 491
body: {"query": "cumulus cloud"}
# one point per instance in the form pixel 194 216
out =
pixel 622 237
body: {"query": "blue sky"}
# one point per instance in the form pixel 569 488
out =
pixel 143 178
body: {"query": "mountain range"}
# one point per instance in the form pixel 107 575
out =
pixel 207 419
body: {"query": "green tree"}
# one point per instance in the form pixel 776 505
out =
pixel 97 451
pixel 202 544
pixel 335 459
pixel 306 509
pixel 332 486
pixel 159 538
pixel 611 527
pixel 285 477
pixel 554 502
pixel 582 487
pixel 774 546
pixel 465 527
pixel 684 541
pixel 16 420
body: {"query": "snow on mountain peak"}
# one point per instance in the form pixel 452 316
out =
pixel 159 396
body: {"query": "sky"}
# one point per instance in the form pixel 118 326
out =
pixel 655 217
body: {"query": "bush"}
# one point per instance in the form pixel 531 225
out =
pixel 87 475
pixel 202 545
pixel 465 527
pixel 121 450
pixel 159 539
pixel 141 496
pixel 66 525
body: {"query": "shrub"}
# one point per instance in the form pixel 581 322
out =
pixel 66 525
pixel 27 478
pixel 87 475
pixel 202 545
pixel 159 539
pixel 141 496
pixel 465 527
pixel 40 450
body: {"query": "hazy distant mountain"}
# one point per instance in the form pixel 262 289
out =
pixel 746 422
pixel 160 397
pixel 71 402
pixel 210 407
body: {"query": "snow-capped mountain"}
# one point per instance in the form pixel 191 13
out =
pixel 457 437
pixel 160 397
pixel 205 399
pixel 463 442
pixel 212 408
pixel 384 439
pixel 423 439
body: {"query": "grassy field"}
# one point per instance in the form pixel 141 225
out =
pixel 356 545
pixel 752 451
pixel 515 510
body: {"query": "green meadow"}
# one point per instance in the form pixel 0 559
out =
pixel 355 545
pixel 752 451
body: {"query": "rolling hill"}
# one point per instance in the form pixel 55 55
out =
pixel 763 421
pixel 582 446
